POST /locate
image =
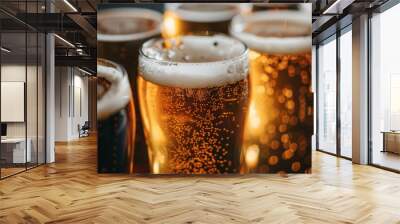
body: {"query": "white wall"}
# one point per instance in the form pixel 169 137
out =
pixel 33 126
pixel 12 73
pixel 70 84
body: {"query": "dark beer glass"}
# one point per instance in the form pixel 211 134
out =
pixel 120 34
pixel 115 119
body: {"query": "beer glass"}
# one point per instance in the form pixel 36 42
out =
pixel 187 18
pixel 193 95
pixel 116 119
pixel 279 125
pixel 120 34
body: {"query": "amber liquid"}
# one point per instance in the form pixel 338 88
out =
pixel 193 130
pixel 279 125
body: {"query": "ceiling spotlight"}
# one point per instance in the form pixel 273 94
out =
pixel 5 49
pixel 70 5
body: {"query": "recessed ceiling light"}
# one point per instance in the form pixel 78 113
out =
pixel 84 71
pixel 5 49
pixel 65 41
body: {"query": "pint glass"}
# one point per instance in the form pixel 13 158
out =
pixel 193 95
pixel 121 32
pixel 279 125
pixel 188 18
pixel 116 119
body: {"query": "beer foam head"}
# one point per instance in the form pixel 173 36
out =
pixel 276 32
pixel 113 88
pixel 194 61
pixel 127 24
pixel 206 12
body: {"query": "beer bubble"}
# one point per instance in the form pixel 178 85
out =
pixel 274 144
pixel 285 138
pixel 287 154
pixel 282 128
pixel 290 105
pixel 273 160
pixel 296 166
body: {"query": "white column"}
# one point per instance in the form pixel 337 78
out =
pixel 360 90
pixel 50 100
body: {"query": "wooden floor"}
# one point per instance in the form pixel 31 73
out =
pixel 386 159
pixel 70 191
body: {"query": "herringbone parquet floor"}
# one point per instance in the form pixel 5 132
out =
pixel 70 191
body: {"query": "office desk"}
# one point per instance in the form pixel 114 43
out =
pixel 391 141
pixel 15 148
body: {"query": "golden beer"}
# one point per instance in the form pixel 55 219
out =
pixel 279 125
pixel 188 18
pixel 193 95
pixel 115 119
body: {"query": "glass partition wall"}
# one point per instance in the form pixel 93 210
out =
pixel 22 77
pixel 334 94
pixel 385 90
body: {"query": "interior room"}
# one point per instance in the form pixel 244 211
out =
pixel 51 118
pixel 23 99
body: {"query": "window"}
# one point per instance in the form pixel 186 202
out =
pixel 346 93
pixel 327 96
pixel 385 89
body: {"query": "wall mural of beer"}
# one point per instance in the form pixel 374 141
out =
pixel 214 88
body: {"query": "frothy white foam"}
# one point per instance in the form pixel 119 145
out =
pixel 279 45
pixel 128 14
pixel 118 95
pixel 206 12
pixel 194 61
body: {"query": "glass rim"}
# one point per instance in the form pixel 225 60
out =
pixel 133 13
pixel 271 44
pixel 119 82
pixel 202 74
pixel 242 54
pixel 211 16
